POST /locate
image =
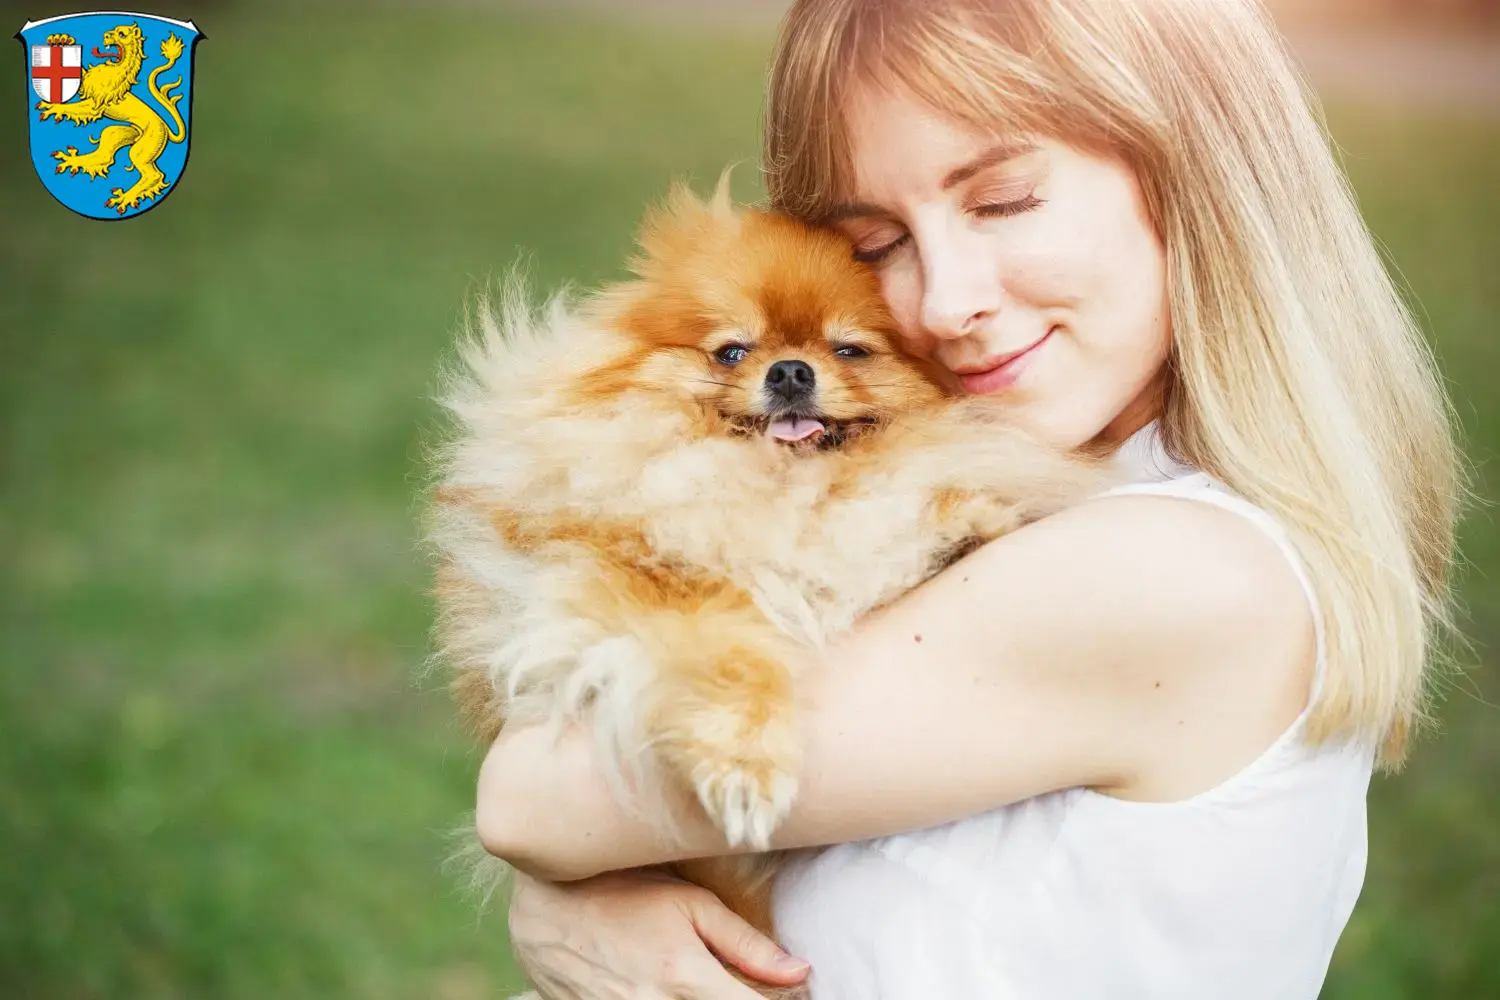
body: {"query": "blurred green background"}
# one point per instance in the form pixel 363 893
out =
pixel 220 773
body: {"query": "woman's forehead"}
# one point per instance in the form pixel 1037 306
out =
pixel 894 137
pixel 897 117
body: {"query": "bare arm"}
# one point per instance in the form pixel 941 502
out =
pixel 1143 646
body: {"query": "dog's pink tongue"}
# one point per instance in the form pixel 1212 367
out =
pixel 794 430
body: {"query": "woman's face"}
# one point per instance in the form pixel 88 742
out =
pixel 1024 266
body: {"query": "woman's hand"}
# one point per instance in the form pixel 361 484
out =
pixel 638 934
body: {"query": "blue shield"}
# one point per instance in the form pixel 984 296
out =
pixel 109 96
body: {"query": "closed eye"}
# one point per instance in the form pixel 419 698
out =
pixel 1006 208
pixel 877 254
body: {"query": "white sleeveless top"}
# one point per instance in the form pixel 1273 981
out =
pixel 1238 893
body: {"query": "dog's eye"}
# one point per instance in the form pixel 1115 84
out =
pixel 851 351
pixel 731 354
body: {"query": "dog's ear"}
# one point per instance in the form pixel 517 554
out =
pixel 684 207
pixel 682 225
pixel 721 204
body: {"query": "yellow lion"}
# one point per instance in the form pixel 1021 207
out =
pixel 104 92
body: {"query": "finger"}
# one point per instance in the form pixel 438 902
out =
pixel 709 980
pixel 742 946
pixel 547 988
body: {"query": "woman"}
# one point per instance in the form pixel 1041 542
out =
pixel 1122 752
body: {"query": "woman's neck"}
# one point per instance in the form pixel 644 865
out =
pixel 1146 407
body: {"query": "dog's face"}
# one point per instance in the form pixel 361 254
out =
pixel 766 323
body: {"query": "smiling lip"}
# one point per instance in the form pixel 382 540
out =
pixel 1000 372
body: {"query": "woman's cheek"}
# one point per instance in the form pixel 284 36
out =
pixel 903 297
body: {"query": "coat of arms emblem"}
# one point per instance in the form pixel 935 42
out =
pixel 110 101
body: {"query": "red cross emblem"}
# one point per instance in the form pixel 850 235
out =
pixel 56 71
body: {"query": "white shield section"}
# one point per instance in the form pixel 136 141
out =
pixel 56 71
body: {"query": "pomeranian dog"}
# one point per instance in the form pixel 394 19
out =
pixel 660 502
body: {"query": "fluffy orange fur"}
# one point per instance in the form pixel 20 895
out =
pixel 660 502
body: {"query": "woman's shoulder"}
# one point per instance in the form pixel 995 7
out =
pixel 1189 545
pixel 1191 602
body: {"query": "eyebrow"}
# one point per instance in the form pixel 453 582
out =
pixel 989 158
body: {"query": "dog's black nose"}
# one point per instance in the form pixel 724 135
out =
pixel 791 380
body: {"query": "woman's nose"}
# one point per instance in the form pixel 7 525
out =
pixel 960 292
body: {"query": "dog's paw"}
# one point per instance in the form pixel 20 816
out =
pixel 725 728
pixel 747 799
pixel 744 772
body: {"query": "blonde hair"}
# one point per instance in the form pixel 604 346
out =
pixel 1299 377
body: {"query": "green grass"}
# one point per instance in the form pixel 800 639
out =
pixel 219 776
